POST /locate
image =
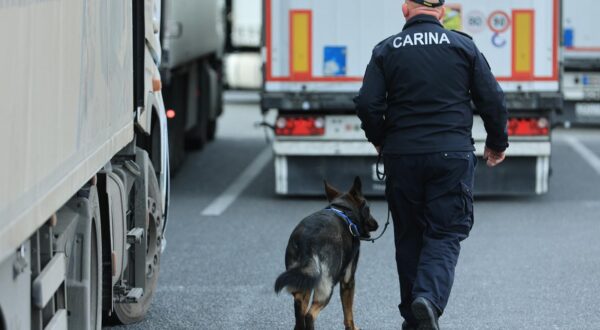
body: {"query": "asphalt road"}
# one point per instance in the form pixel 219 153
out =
pixel 530 263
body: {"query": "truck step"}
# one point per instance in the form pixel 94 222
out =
pixel 133 296
pixel 134 236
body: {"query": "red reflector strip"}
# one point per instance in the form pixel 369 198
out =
pixel 528 127
pixel 300 126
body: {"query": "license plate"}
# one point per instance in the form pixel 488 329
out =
pixel 587 109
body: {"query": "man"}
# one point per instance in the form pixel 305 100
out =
pixel 415 107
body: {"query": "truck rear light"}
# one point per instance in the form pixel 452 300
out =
pixel 300 126
pixel 528 126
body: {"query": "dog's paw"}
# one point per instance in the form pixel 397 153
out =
pixel 352 328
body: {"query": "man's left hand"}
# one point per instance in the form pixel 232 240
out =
pixel 493 157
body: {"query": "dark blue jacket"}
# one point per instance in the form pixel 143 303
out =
pixel 417 91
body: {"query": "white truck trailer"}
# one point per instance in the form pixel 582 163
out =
pixel 581 80
pixel 243 63
pixel 315 56
pixel 84 175
pixel 193 35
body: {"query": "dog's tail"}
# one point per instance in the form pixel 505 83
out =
pixel 299 278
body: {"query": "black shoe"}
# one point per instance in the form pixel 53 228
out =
pixel 426 313
pixel 408 326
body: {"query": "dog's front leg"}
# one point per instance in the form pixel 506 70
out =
pixel 347 294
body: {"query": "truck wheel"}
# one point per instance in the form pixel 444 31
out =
pixel 128 313
pixel 84 280
pixel 197 136
pixel 96 277
pixel 212 129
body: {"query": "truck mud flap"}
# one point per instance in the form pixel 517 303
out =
pixel 515 176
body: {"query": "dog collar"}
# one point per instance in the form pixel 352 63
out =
pixel 351 225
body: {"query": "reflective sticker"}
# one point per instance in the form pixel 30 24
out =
pixel 523 42
pixel 334 61
pixel 300 42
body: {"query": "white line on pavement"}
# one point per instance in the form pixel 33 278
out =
pixel 221 203
pixel 588 155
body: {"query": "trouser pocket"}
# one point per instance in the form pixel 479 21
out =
pixel 467 198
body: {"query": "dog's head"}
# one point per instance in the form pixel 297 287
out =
pixel 354 204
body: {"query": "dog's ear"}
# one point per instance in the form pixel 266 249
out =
pixel 331 192
pixel 356 187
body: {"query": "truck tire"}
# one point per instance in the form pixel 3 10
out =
pixel 212 129
pixel 128 313
pixel 84 279
pixel 96 277
pixel 197 136
pixel 212 121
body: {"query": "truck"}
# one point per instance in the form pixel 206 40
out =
pixel 316 53
pixel 85 173
pixel 243 63
pixel 581 79
pixel 193 45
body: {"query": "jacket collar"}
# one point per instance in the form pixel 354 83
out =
pixel 423 18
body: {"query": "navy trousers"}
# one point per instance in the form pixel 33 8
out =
pixel 431 200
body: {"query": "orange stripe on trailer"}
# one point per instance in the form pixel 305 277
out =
pixel 523 43
pixel 300 43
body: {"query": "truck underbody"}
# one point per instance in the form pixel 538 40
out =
pixel 341 152
pixel 581 87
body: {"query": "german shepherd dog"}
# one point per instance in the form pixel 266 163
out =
pixel 322 251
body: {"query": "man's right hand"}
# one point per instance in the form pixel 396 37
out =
pixel 493 157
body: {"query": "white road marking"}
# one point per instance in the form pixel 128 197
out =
pixel 588 155
pixel 221 203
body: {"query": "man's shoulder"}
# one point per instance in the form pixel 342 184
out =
pixel 462 34
pixel 381 45
pixel 464 40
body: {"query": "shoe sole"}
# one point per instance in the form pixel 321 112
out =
pixel 425 317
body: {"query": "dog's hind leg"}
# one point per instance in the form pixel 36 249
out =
pixel 301 300
pixel 347 294
pixel 321 298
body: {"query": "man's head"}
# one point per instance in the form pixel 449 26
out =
pixel 412 8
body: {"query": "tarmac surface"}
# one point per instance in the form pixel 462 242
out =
pixel 530 262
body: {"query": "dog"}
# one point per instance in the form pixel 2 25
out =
pixel 322 251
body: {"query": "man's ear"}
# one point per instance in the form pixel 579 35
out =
pixel 405 10
pixel 331 192
pixel 356 187
pixel 442 14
